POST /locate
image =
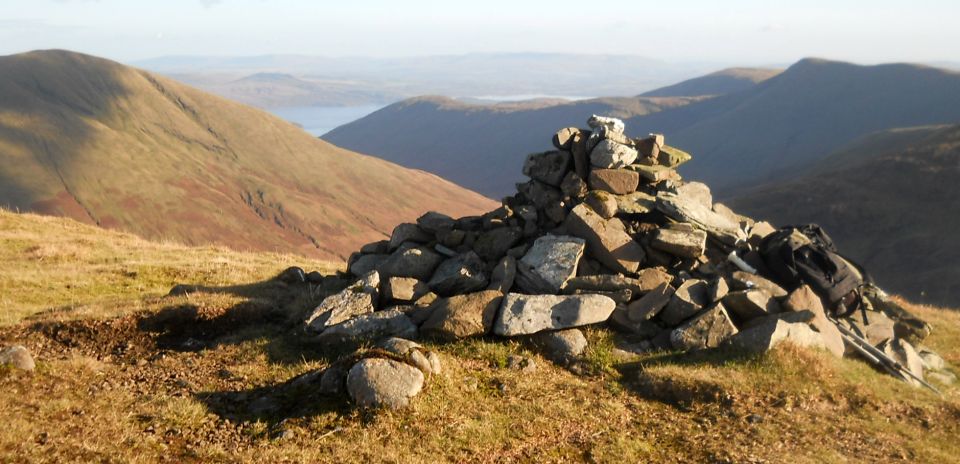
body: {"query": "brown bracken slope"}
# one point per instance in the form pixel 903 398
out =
pixel 890 200
pixel 107 144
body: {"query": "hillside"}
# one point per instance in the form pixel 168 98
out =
pixel 890 200
pixel 722 82
pixel 480 147
pixel 767 131
pixel 144 377
pixel 125 149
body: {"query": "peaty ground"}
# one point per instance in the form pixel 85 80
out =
pixel 126 373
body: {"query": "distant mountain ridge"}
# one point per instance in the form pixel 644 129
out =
pixel 890 200
pixel 749 137
pixel 374 80
pixel 722 82
pixel 481 147
pixel 103 143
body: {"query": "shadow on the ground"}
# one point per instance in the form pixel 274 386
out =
pixel 681 393
pixel 272 404
pixel 272 310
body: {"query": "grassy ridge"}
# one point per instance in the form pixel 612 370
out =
pixel 140 377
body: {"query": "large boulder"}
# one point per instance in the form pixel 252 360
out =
pixel 460 274
pixel 548 167
pixel 355 300
pixel 375 383
pixel 607 242
pixel 550 263
pixel 18 357
pixel 371 326
pixel 462 316
pixel 528 314
pixel 416 262
pixel 706 330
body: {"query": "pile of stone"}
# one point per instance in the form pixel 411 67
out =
pixel 604 232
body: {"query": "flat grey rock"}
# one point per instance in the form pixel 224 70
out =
pixel 371 326
pixel 529 314
pixel 434 222
pixel 357 299
pixel 682 243
pixel 691 210
pixel 550 263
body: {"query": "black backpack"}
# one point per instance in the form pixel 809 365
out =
pixel 805 255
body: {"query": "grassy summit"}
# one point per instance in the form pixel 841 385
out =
pixel 128 374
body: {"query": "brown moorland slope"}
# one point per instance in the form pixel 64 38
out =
pixel 890 200
pixel 107 144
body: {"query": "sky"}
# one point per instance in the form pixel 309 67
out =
pixel 748 32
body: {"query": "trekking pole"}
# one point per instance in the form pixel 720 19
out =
pixel 878 357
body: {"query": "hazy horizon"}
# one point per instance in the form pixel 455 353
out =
pixel 744 32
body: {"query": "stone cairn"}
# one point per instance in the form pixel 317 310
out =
pixel 604 232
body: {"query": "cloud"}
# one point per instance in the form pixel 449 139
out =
pixel 209 3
